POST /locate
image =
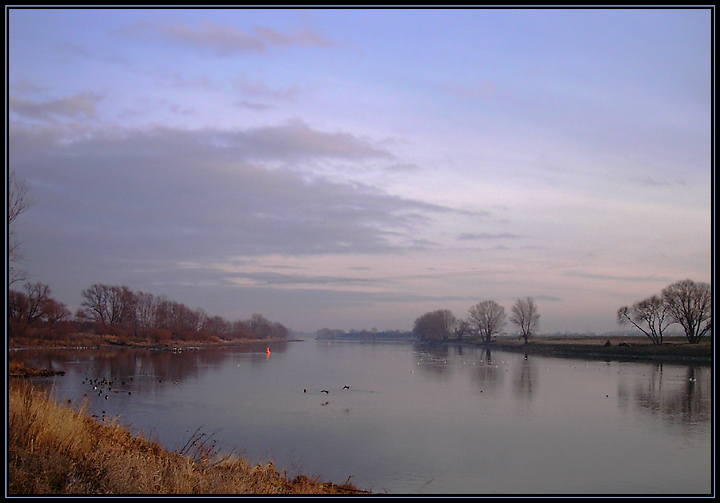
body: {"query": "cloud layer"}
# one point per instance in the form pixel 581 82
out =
pixel 353 169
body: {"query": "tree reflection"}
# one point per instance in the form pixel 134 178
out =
pixel 487 374
pixel 683 398
pixel 432 358
pixel 523 384
pixel 132 368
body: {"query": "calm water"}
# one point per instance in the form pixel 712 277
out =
pixel 420 420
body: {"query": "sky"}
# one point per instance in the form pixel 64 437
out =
pixel 357 168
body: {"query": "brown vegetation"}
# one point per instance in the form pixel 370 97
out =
pixel 54 449
pixel 130 318
pixel 17 368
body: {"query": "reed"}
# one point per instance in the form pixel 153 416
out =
pixel 55 449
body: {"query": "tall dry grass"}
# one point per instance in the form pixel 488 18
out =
pixel 54 449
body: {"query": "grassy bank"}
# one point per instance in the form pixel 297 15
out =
pixel 630 348
pixel 54 449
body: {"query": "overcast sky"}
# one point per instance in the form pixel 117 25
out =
pixel 357 168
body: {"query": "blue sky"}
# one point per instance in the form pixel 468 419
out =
pixel 350 168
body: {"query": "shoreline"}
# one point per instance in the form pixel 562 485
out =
pixel 627 348
pixel 54 449
pixel 110 341
pixel 617 348
pixel 633 348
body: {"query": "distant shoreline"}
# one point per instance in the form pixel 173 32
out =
pixel 674 349
pixel 629 348
pixel 109 341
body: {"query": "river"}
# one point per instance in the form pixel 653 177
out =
pixel 404 418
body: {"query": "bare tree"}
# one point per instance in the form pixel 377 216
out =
pixel 487 318
pixel 651 313
pixel 33 308
pixel 18 203
pixel 525 316
pixel 95 303
pixel 145 305
pixel 37 296
pixel 690 305
pixel 109 305
pixel 436 325
pixel 462 327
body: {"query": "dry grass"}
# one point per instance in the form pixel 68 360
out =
pixel 673 348
pixel 53 449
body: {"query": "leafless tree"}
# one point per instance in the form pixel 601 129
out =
pixel 525 315
pixel 109 305
pixel 486 319
pixel 461 328
pixel 690 305
pixel 145 306
pixel 18 203
pixel 33 308
pixel 436 325
pixel 650 316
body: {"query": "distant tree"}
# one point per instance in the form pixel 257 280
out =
pixel 218 326
pixel 328 333
pixel 650 316
pixel 95 305
pixel 462 327
pixel 145 305
pixel 184 322
pixel 487 319
pixel 690 305
pixel 34 308
pixel 37 296
pixel 17 302
pixel 525 316
pixel 262 328
pixel 163 313
pixel 239 330
pixel 119 310
pixel 18 203
pixel 435 325
pixel 279 331
pixel 259 326
pixel 109 305
pixel 54 312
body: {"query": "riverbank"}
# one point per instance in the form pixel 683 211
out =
pixel 582 346
pixel 55 449
pixel 85 341
pixel 615 348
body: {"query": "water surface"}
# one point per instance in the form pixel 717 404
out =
pixel 410 419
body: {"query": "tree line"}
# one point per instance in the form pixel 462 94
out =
pixel 686 303
pixel 485 320
pixel 117 310
pixel 362 335
pixel 109 309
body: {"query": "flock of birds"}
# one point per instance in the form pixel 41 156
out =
pixel 103 386
pixel 326 392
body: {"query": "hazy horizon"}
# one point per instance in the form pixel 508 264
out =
pixel 356 168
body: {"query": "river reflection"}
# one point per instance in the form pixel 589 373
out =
pixel 414 418
pixel 144 366
pixel 683 399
